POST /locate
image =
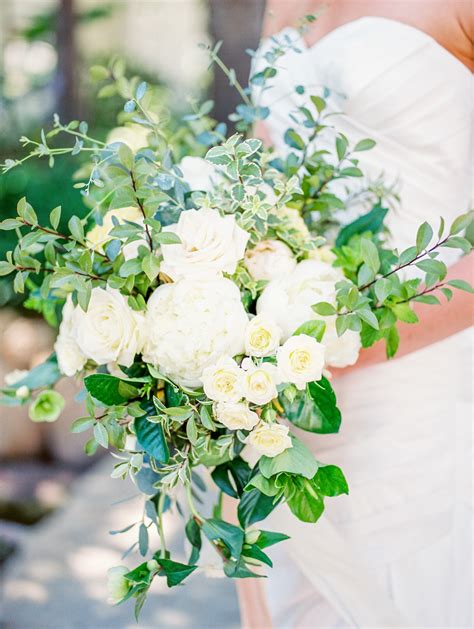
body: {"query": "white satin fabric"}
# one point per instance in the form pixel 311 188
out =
pixel 397 552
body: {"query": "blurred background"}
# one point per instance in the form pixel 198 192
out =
pixel 56 505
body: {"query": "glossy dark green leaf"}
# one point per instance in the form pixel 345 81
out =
pixel 254 507
pixel 331 480
pixel 175 572
pixel 371 222
pixel 109 390
pixel 232 536
pixel 314 411
pixel 152 439
pixel 269 538
pixel 295 460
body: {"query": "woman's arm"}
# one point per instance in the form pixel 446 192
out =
pixel 435 324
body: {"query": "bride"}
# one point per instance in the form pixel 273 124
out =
pixel 396 552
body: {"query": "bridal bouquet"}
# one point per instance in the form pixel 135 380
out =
pixel 203 303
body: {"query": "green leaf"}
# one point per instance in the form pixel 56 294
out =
pixel 294 140
pixel 314 328
pixel 269 538
pixel 368 316
pixel 370 254
pixel 364 145
pixel 382 288
pixel 324 309
pixel 44 375
pixel 10 223
pixel 392 341
pixel 304 499
pixel 193 533
pixel 319 103
pixel 404 312
pixel 341 147
pixel 232 536
pixel 6 268
pixel 461 285
pixel 254 552
pixel 231 477
pixel 26 212
pixel 254 506
pixel 76 228
pixel 461 223
pixel 152 439
pixel 101 435
pixel 143 540
pixel 456 242
pixel 314 410
pixel 431 300
pixel 109 390
pixel 55 217
pixel 98 73
pixel 423 237
pixel 351 171
pixel 370 222
pixel 295 460
pixel 265 485
pixel 331 480
pixel 434 267
pixel 168 238
pixel 81 424
pixel 175 572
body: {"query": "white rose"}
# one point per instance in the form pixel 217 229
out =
pixel 289 299
pixel 135 136
pixel 236 416
pixel 198 173
pixel 99 235
pixel 110 331
pixel 210 245
pixel 117 585
pixel 222 382
pixel 300 360
pixel 22 392
pixel 260 382
pixel 270 439
pixel 262 336
pixel 15 376
pixel 191 324
pixel 341 351
pixel 70 357
pixel 269 259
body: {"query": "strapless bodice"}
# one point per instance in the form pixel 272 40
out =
pixel 397 85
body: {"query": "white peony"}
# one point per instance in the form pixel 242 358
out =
pixel 198 173
pixel 99 236
pixel 117 585
pixel 323 254
pixel 341 351
pixel 191 324
pixel 300 360
pixel 222 382
pixel 70 357
pixel 259 382
pixel 262 336
pixel 270 439
pixel 110 331
pixel 210 245
pixel 236 416
pixel 289 299
pixel 135 136
pixel 269 259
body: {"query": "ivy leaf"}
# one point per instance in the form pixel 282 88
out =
pixel 109 390
pixel 331 480
pixel 254 506
pixel 175 572
pixel 314 410
pixel 232 536
pixel 152 439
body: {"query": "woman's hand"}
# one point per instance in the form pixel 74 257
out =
pixel 435 324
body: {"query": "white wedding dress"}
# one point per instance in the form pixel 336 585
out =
pixel 397 551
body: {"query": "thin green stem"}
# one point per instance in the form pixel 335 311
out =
pixel 161 530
